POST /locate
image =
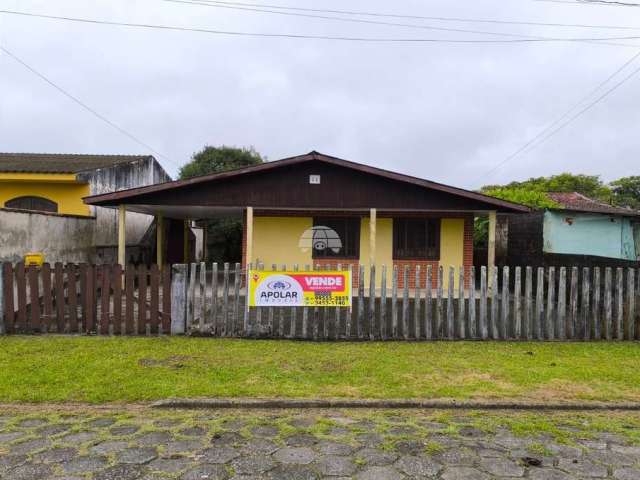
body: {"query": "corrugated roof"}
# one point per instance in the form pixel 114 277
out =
pixel 61 162
pixel 577 202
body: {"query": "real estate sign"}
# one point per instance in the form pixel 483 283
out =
pixel 299 289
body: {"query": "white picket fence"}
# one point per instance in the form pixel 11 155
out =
pixel 523 303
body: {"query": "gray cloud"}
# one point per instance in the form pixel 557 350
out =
pixel 445 112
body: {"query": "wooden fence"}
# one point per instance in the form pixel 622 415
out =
pixel 556 303
pixel 83 298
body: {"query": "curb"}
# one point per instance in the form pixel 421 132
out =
pixel 385 404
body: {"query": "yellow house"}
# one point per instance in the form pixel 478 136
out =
pixel 315 209
pixel 42 208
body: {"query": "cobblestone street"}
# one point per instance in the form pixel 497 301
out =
pixel 129 444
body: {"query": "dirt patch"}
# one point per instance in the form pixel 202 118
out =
pixel 174 361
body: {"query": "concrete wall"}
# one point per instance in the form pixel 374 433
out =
pixel 61 238
pixel 116 178
pixel 589 234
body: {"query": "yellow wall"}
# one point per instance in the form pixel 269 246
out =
pixel 275 240
pixel 62 189
pixel 451 246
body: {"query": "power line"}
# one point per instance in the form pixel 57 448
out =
pixel 215 4
pixel 550 131
pixel 325 37
pixel 85 106
pixel 593 2
pixel 423 17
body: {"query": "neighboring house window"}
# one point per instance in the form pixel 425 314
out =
pixel 416 239
pixel 37 204
pixel 336 237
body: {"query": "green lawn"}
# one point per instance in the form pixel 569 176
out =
pixel 96 370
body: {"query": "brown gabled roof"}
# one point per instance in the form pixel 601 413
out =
pixel 61 162
pixel 577 202
pixel 122 196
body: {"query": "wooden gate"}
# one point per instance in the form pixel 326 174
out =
pixel 91 299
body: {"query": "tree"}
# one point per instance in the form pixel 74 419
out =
pixel 626 192
pixel 224 236
pixel 219 159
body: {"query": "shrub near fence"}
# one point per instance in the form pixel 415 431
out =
pixel 91 299
pixel 564 303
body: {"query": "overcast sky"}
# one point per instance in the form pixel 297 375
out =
pixel 447 112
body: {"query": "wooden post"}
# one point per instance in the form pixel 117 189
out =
pixel 517 304
pixel 122 234
pixel 185 241
pixel 178 299
pixel 249 228
pixel 159 240
pixel 373 215
pixel 491 248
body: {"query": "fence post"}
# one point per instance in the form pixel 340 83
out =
pixel 483 303
pixel 517 305
pixel 383 303
pixel 439 331
pixel 493 291
pixel 595 307
pixel 394 303
pixel 586 304
pixel 631 304
pixel 360 319
pixel 619 303
pixel 472 324
pixel 539 317
pixel 372 302
pixel 607 304
pixel 573 323
pixel 504 322
pixel 551 294
pixel 561 326
pixel 417 300
pixel 450 312
pixel 528 303
pixel 179 299
pixel 428 304
pixel 461 307
pixel 405 302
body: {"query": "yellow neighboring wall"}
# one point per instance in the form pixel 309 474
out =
pixel 60 188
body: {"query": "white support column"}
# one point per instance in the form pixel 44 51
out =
pixel 249 232
pixel 122 235
pixel 373 215
pixel 491 245
pixel 160 240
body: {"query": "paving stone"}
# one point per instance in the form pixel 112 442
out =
pixel 56 455
pixel 376 458
pixel 206 472
pixel 370 440
pixel 120 472
pixel 183 446
pixel 32 422
pixel 167 422
pixel 252 464
pixel 609 457
pixel 8 437
pixel 632 451
pixel 302 422
pixel 193 432
pixel 293 472
pixel 582 468
pixel 627 474
pixel 79 437
pixel 510 441
pixel 29 446
pixel 7 462
pixel 227 439
pixel 463 473
pixel 490 452
pixel 334 448
pixel 501 467
pixel 101 422
pixel 301 440
pixel 55 429
pixel 464 457
pixel 260 446
pixel 218 455
pixel 121 430
pixel 433 425
pixel 84 464
pixel 137 456
pixel 336 466
pixel 471 432
pixel 564 450
pixel 265 431
pixel 110 446
pixel 402 430
pixel 30 471
pixel 409 447
pixel 154 439
pixel 379 473
pixel 418 466
pixel 339 431
pixel 593 444
pixel 549 474
pixel 234 424
pixel 170 465
pixel 295 455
